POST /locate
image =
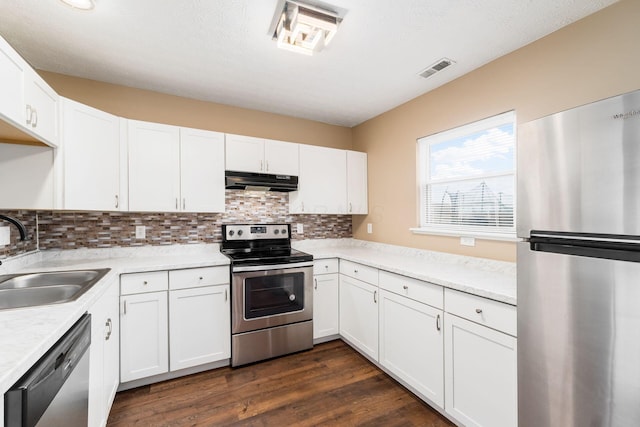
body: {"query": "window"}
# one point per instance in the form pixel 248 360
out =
pixel 467 180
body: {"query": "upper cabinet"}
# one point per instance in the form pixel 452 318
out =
pixel 91 153
pixel 249 154
pixel 357 182
pixel 322 185
pixel 173 169
pixel 28 102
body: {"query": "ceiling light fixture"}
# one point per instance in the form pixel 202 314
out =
pixel 80 4
pixel 305 29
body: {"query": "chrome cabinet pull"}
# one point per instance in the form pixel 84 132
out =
pixel 302 206
pixel 267 162
pixel 438 322
pixel 261 165
pixel 145 283
pixel 34 122
pixel 315 279
pixel 355 271
pixel 225 294
pixel 117 202
pixel 375 293
pixel 350 207
pixel 108 324
pixel 184 203
pixel 478 310
pixel 29 114
pixel 405 287
pixel 176 203
pixel 125 307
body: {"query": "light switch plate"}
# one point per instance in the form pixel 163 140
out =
pixel 5 236
pixel 468 241
pixel 141 232
pixel 369 228
pixel 299 228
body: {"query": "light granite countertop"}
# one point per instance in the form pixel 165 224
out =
pixel 26 334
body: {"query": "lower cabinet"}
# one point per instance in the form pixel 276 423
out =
pixel 411 344
pixel 104 373
pixel 173 320
pixel 325 298
pixel 359 314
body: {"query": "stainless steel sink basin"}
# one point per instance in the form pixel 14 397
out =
pixel 32 289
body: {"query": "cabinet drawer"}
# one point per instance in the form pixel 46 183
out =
pixel 484 311
pixel 423 292
pixel 138 283
pixel 359 271
pixel 196 277
pixel 325 266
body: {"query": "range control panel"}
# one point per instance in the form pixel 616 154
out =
pixel 257 231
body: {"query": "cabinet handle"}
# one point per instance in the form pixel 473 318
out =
pixel 261 165
pixel 125 307
pixel 117 202
pixel 355 271
pixel 350 207
pixel 479 310
pixel 375 293
pixel 108 324
pixel 267 163
pixel 184 203
pixel 315 279
pixel 145 283
pixel 176 203
pixel 438 322
pixel 200 277
pixel 405 287
pixel 302 210
pixel 225 295
pixel 29 113
pixel 34 122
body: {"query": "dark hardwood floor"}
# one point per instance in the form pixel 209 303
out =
pixel 329 385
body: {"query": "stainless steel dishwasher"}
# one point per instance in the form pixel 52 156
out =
pixel 55 391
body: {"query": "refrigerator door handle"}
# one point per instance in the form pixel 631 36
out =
pixel 605 248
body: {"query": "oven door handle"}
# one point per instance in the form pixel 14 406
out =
pixel 240 269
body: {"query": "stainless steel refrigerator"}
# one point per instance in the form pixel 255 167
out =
pixel 579 266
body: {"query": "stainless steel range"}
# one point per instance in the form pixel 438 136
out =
pixel 271 292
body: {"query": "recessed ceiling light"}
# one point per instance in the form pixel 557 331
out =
pixel 304 28
pixel 80 4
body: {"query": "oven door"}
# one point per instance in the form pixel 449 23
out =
pixel 267 296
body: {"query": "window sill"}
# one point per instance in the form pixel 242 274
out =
pixel 505 237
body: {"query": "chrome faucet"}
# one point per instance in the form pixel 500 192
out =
pixel 20 226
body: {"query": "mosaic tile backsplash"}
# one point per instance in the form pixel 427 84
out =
pixel 71 230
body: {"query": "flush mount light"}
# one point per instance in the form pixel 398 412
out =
pixel 80 4
pixel 304 28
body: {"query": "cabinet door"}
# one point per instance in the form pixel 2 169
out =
pixel 144 347
pixel 357 182
pixel 281 158
pixel 325 305
pixel 111 352
pixel 42 102
pixel 201 170
pixel 480 374
pixel 411 344
pixel 199 326
pixel 154 167
pixel 359 315
pixel 244 153
pixel 91 146
pixel 322 185
pixel 12 75
pixel 27 174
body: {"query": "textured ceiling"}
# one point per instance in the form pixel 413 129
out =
pixel 221 50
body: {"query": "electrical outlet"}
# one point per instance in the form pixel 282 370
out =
pixel 369 228
pixel 299 228
pixel 5 236
pixel 468 241
pixel 141 231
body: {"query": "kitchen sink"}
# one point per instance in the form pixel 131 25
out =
pixel 55 287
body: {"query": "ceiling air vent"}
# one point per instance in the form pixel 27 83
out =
pixel 438 66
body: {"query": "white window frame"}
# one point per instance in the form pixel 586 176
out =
pixel 480 231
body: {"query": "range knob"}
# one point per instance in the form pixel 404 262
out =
pixel 276 231
pixel 239 232
pixel 284 231
pixel 231 232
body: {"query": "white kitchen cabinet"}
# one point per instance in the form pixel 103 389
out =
pixel 325 298
pixel 322 183
pixel 91 151
pixel 144 344
pixel 359 315
pixel 199 326
pixel 154 166
pixel 104 371
pixel 202 170
pixel 480 374
pixel 411 343
pixel 27 101
pixel 357 200
pixel 26 172
pixel 159 180
pixel 249 154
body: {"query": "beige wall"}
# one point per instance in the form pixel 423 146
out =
pixel 591 59
pixel 157 107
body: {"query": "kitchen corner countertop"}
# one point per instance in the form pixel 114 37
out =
pixel 27 333
pixel 491 279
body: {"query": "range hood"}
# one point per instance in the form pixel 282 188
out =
pixel 260 181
